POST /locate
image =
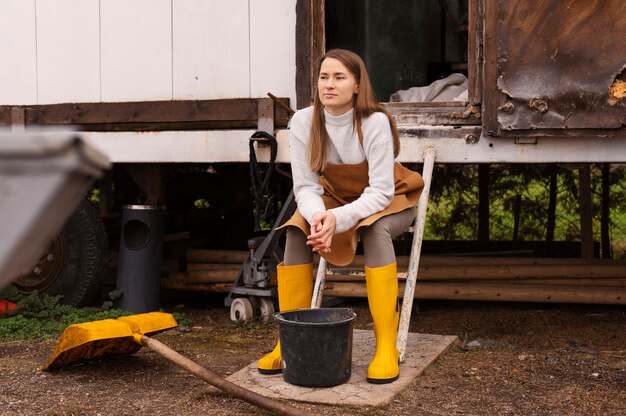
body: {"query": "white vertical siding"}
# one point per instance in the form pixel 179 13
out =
pixel 272 48
pixel 136 50
pixel 18 53
pixel 56 51
pixel 68 51
pixel 210 49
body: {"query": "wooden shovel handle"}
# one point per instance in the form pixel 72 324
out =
pixel 217 381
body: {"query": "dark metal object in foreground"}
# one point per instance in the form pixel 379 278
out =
pixel 43 176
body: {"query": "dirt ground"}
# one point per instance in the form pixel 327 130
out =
pixel 512 359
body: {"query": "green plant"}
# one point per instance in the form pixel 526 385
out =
pixel 182 319
pixel 42 316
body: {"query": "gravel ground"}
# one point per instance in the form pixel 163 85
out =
pixel 513 359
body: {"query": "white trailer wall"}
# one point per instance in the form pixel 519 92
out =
pixel 59 51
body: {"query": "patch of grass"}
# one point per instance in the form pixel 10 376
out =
pixel 42 316
pixel 182 319
pixel 251 325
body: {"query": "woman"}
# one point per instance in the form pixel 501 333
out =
pixel 346 183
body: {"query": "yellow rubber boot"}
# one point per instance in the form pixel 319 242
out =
pixel 382 296
pixel 295 288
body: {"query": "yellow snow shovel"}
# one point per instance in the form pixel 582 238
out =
pixel 90 340
pixel 127 334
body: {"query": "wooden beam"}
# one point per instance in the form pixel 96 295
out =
pixel 17 120
pixel 503 272
pixel 211 273
pixel 155 112
pixel 303 53
pixel 605 218
pixel 491 96
pixel 318 41
pixel 495 292
pixel 474 50
pixel 432 113
pixel 310 46
pixel 483 202
pixel 586 214
pixel 239 256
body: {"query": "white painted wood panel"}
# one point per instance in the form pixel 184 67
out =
pixel 18 53
pixel 273 48
pixel 173 146
pixel 232 146
pixel 210 49
pixel 68 51
pixel 136 50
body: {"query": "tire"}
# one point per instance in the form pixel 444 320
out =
pixel 74 265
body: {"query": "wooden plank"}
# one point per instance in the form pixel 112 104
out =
pixel 237 109
pixel 318 40
pixel 212 266
pixel 474 50
pixel 272 48
pixel 210 49
pixel 491 96
pixel 68 51
pixel 304 33
pixel 595 282
pixel 18 49
pixel 503 272
pixel 433 114
pixel 17 120
pixel 239 256
pixel 136 50
pixel 205 276
pixel 586 211
pixel 172 284
pixel 496 292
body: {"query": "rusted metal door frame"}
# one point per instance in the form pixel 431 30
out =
pixel 540 117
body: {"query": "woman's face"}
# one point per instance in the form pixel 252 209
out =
pixel 336 86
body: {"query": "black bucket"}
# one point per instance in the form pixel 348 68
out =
pixel 316 346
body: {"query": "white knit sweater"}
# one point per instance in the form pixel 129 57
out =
pixel 345 149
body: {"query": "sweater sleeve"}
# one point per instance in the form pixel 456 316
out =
pixel 378 146
pixel 306 188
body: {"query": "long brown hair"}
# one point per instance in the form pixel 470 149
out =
pixel 364 104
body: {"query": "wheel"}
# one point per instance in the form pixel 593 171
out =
pixel 74 264
pixel 266 308
pixel 254 301
pixel 241 310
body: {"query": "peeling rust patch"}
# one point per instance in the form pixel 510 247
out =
pixel 539 105
pixel 471 112
pixel 617 91
pixel 508 108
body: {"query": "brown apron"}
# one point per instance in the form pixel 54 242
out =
pixel 345 183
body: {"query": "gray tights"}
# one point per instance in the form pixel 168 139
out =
pixel 376 239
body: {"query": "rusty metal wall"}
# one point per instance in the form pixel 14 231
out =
pixel 561 64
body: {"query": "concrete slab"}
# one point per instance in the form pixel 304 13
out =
pixel 422 349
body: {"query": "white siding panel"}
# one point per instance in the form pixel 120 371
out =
pixel 18 52
pixel 136 50
pixel 273 48
pixel 68 51
pixel 176 146
pixel 211 49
